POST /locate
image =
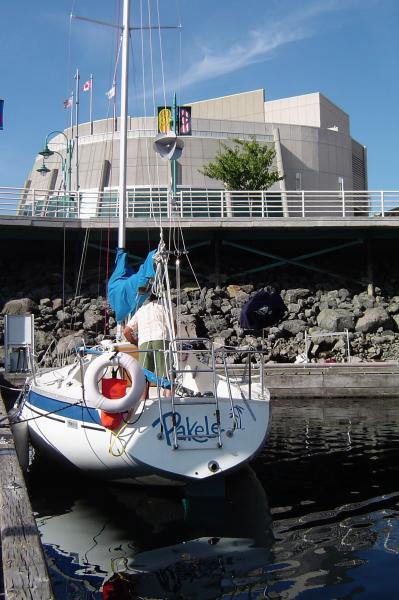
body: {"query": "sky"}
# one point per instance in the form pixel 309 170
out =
pixel 346 49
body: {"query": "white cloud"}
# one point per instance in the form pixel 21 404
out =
pixel 261 44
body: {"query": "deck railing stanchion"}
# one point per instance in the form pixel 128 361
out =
pixel 343 204
pixel 263 204
pixel 382 204
pixel 303 204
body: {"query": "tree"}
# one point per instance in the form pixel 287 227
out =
pixel 246 166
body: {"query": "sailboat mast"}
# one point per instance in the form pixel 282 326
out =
pixel 123 126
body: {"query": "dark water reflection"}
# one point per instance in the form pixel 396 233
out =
pixel 316 517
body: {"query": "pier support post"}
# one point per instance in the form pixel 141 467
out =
pixel 216 245
pixel 370 269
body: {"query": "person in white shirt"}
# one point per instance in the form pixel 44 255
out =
pixel 149 329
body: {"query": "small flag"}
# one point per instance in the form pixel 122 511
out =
pixel 1 113
pixel 68 102
pixel 87 85
pixel 164 119
pixel 111 93
pixel 185 120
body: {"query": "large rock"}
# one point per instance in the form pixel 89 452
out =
pixel 293 326
pixel 42 340
pixel 67 344
pixel 393 308
pixel 335 319
pixel 92 319
pixel 363 301
pixel 292 296
pixel 188 326
pixel 21 306
pixel 232 290
pixel 373 319
pixel 395 318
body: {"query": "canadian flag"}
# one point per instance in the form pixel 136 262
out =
pixel 87 85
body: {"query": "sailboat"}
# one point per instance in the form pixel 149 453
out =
pixel 94 414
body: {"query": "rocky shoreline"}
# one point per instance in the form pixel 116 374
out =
pixel 372 322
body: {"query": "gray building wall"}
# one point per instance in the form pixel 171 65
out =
pixel 316 148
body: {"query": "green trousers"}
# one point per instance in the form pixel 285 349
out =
pixel 155 361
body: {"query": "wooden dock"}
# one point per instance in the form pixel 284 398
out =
pixel 333 380
pixel 24 573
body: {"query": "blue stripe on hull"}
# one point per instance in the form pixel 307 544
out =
pixel 64 409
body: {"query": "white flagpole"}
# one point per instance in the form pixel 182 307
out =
pixel 91 101
pixel 77 77
pixel 71 109
pixel 114 88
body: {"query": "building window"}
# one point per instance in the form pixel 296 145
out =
pixel 298 181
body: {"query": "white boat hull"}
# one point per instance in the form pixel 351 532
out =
pixel 141 450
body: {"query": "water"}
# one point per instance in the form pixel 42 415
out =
pixel 315 518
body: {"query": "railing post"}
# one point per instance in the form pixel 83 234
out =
pixel 343 204
pixel 181 204
pixel 263 204
pixel 303 203
pixel 221 204
pixel 78 203
pixel 33 202
pixel 382 204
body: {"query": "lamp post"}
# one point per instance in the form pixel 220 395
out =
pixel 65 162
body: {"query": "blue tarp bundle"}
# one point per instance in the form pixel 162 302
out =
pixel 123 286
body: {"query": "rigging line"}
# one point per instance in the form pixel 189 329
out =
pixel 63 265
pixel 99 262
pixel 82 261
pixel 161 54
pixel 142 60
pixel 144 100
pixel 108 254
pixel 52 412
pixel 68 67
pixel 145 104
pixel 180 49
pixel 214 323
pixel 154 111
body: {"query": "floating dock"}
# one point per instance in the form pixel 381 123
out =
pixel 333 380
pixel 24 572
pixel 318 380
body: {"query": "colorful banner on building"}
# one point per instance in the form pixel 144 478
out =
pixel 1 113
pixel 164 119
pixel 184 120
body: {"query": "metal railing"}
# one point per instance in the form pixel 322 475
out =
pixel 192 204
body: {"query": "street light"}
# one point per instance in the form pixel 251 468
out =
pixel 65 162
pixel 46 152
pixel 43 170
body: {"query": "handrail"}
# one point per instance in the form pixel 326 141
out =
pixel 196 204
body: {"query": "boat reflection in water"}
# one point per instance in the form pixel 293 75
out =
pixel 115 542
pixel 331 474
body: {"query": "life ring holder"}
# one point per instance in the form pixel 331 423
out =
pixel 95 398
